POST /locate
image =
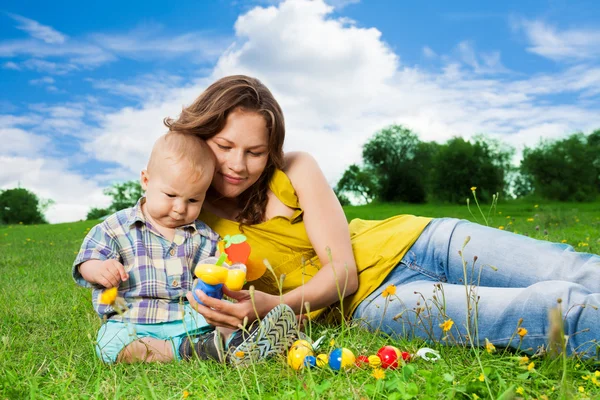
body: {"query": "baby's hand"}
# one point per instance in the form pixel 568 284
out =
pixel 110 274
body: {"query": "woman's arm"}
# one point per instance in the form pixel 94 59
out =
pixel 327 229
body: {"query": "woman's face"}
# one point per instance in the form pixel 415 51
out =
pixel 241 150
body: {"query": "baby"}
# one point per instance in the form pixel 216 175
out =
pixel 148 253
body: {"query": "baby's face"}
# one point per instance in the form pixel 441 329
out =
pixel 174 194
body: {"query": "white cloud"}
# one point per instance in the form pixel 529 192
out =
pixel 428 52
pixel 46 80
pixel 566 45
pixel 51 179
pixel 18 142
pixel 11 65
pixel 153 43
pixel 39 31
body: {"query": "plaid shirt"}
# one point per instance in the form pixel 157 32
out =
pixel 160 271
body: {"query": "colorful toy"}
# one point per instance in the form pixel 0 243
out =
pixel 237 249
pixel 389 356
pixel 310 361
pixel 341 358
pixel 302 355
pixel 213 273
pixel 322 360
pixel 361 361
pixel 428 354
pixel 374 361
pixel 298 353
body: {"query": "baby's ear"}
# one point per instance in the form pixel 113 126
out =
pixel 144 177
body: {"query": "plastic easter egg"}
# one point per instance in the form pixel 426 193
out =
pixel 310 361
pixel 406 356
pixel 341 358
pixel 298 352
pixel 374 361
pixel 361 361
pixel 389 356
pixel 322 360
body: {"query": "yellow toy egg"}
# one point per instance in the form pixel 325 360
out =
pixel 374 361
pixel 348 358
pixel 298 352
pixel 322 360
pixel 211 274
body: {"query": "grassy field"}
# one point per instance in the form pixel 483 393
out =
pixel 48 328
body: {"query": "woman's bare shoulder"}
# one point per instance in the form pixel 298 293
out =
pixel 299 165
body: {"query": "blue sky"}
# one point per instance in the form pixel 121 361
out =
pixel 85 85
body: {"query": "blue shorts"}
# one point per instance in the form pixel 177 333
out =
pixel 113 336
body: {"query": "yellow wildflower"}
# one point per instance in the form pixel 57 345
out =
pixel 581 389
pixel 391 289
pixel 597 374
pixel 501 227
pixel 529 219
pixel 475 397
pixel 378 373
pixel 473 188
pixel 481 377
pixel 508 217
pixel 108 296
pixel 332 342
pixel 522 332
pixel 531 366
pixel 585 377
pixel 489 347
pixel 520 391
pixel 447 325
pixel 564 241
pixel 523 360
pixel 186 394
pixel 595 381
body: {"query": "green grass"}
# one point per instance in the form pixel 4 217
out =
pixel 48 327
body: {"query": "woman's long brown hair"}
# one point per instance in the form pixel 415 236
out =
pixel 207 115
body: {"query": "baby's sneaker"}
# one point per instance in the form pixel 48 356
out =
pixel 272 335
pixel 208 346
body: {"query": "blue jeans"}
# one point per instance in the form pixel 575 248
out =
pixel 509 278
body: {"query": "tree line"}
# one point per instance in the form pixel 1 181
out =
pixel 398 167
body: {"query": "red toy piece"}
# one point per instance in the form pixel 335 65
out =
pixel 389 356
pixel 361 361
pixel 237 249
pixel 406 356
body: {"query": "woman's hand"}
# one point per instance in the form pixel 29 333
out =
pixel 232 315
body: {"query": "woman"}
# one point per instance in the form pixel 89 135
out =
pixel 406 276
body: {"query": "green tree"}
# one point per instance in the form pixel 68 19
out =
pixel 124 195
pixel 460 164
pixel 97 213
pixel 358 181
pixel 393 154
pixel 566 169
pixel 20 205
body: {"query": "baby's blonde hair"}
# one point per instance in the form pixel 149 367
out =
pixel 177 147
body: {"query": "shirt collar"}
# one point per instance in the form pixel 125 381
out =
pixel 137 215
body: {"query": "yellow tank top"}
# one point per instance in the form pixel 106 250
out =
pixel 378 246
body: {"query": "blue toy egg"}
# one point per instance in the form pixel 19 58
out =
pixel 310 361
pixel 335 359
